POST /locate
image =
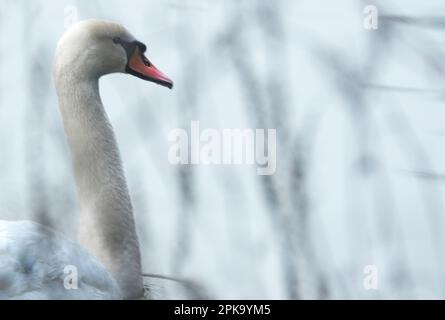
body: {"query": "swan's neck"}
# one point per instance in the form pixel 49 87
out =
pixel 107 227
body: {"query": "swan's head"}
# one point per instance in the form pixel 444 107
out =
pixel 94 48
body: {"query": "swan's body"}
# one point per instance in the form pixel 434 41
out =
pixel 35 262
pixel 107 228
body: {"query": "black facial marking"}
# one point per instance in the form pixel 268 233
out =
pixel 141 46
pixel 130 46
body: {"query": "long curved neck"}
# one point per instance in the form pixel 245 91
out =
pixel 107 227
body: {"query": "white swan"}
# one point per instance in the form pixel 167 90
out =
pixel 33 258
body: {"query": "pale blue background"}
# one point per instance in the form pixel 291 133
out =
pixel 361 134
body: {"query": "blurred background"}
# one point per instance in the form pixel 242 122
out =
pixel 360 119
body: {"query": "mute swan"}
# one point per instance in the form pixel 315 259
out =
pixel 33 258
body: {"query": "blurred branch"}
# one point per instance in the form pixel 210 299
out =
pixel 425 175
pixel 34 122
pixel 436 22
pixel 195 290
pixel 401 89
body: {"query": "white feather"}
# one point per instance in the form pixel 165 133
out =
pixel 32 263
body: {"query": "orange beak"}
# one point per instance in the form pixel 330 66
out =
pixel 141 67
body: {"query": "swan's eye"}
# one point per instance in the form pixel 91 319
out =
pixel 117 40
pixel 146 61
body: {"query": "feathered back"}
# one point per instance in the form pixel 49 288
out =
pixel 33 260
